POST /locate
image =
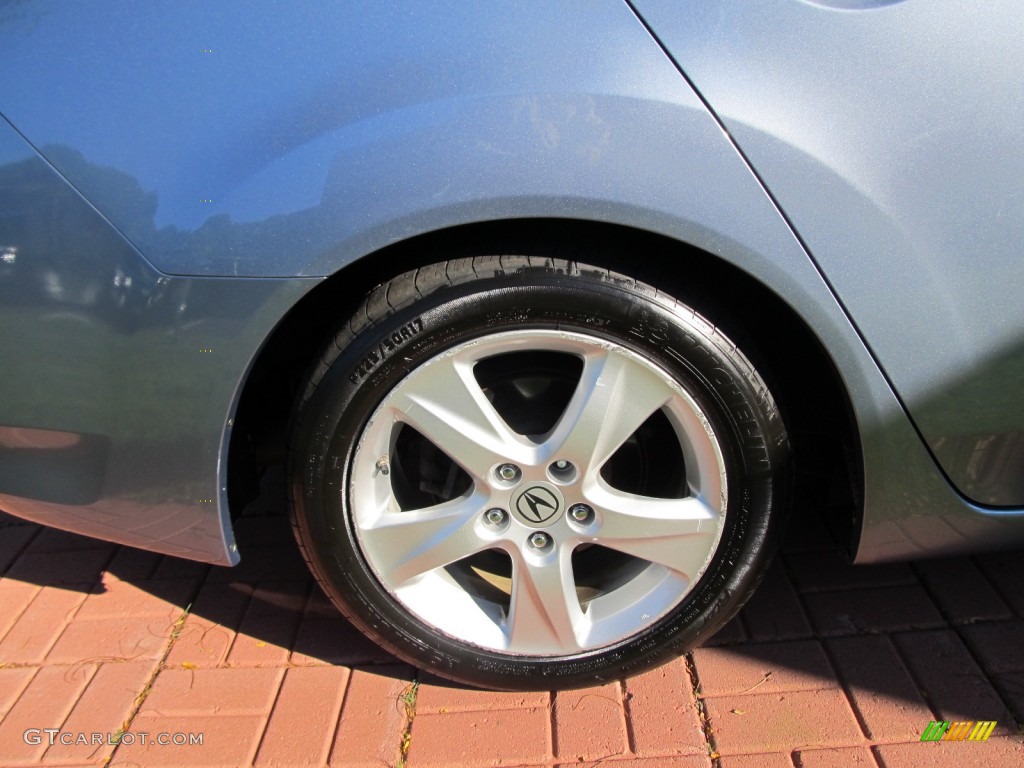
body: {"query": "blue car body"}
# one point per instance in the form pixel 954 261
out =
pixel 180 187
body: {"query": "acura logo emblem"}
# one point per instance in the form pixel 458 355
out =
pixel 537 504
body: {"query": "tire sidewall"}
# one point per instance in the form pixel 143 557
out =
pixel 679 341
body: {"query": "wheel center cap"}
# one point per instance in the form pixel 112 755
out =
pixel 537 504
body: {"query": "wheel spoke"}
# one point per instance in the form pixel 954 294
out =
pixel 447 406
pixel 614 397
pixel 648 552
pixel 407 544
pixel 676 533
pixel 545 610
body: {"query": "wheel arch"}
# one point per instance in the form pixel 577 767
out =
pixel 815 404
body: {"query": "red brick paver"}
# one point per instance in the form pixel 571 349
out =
pixel 841 757
pixel 295 733
pixel 829 665
pixel 490 737
pixel 760 760
pixel 590 724
pixel 438 697
pixel 998 751
pixel 45 703
pixel 662 714
pixel 378 706
pixel 771 722
pixel 883 694
pixel 104 705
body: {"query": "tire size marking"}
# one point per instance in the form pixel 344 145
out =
pixel 387 347
pixel 525 314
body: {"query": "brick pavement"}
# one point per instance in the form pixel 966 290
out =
pixel 829 665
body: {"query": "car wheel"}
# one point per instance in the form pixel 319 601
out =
pixel 531 473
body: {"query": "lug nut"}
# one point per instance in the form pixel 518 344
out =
pixel 508 472
pixel 495 516
pixel 581 513
pixel 539 540
pixel 562 471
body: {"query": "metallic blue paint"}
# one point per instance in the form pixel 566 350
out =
pixel 205 167
pixel 891 139
pixel 119 382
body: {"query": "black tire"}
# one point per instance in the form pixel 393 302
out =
pixel 418 315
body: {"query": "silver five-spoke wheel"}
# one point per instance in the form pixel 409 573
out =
pixel 532 548
pixel 524 472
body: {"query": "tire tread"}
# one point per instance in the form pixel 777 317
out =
pixel 404 290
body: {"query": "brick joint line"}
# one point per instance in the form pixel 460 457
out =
pixel 24 547
pixel 702 711
pixel 408 699
pixel 847 688
pixel 957 628
pixel 552 724
pixel 627 714
pixel 996 587
pixel 159 667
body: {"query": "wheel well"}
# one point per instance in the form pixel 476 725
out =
pixel 815 407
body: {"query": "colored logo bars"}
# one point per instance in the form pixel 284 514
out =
pixel 969 731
